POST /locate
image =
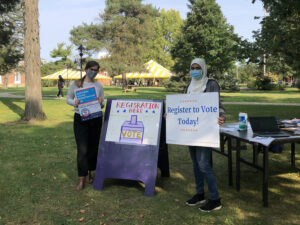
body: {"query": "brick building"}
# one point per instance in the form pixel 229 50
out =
pixel 13 78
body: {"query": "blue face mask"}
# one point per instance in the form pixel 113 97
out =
pixel 196 74
pixel 91 74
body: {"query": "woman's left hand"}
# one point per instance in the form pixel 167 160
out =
pixel 221 120
pixel 100 100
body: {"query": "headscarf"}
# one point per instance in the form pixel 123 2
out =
pixel 198 86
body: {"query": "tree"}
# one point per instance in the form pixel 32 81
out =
pixel 205 34
pixel 11 35
pixel 126 32
pixel 279 35
pixel 166 31
pixel 246 71
pixel 8 5
pixel 33 93
pixel 89 35
pixel 61 52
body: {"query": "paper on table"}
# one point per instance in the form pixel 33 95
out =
pixel 266 141
pixel 294 121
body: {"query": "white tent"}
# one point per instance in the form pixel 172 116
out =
pixel 154 69
pixel 69 74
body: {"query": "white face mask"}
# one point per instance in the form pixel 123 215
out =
pixel 91 74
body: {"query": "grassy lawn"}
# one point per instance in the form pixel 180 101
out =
pixel 290 95
pixel 38 174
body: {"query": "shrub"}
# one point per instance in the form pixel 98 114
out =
pixel 262 83
pixel 176 84
pixel 280 87
pixel 252 84
pixel 49 83
pixel 297 84
pixel 227 82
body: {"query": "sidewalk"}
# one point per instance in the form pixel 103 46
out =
pixel 10 95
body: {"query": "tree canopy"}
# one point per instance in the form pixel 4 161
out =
pixel 61 52
pixel 125 31
pixel 11 35
pixel 167 28
pixel 205 34
pixel 279 35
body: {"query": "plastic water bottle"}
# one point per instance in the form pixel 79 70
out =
pixel 243 121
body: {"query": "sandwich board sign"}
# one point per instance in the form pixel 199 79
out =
pixel 129 142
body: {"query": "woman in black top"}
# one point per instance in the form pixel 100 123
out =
pixel 60 85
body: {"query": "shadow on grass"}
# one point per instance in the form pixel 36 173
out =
pixel 38 172
pixel 10 103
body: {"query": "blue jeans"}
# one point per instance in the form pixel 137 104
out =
pixel 201 158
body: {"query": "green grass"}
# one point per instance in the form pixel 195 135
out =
pixel 290 95
pixel 38 176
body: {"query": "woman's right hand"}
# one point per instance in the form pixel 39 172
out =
pixel 77 102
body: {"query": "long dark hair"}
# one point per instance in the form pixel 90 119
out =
pixel 89 64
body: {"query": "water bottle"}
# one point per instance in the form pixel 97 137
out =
pixel 242 121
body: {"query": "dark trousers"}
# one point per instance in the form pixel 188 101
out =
pixel 87 135
pixel 60 92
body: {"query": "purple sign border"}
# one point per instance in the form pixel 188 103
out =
pixel 127 161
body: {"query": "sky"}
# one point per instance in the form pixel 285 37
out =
pixel 58 17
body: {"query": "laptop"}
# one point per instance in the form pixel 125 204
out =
pixel 266 126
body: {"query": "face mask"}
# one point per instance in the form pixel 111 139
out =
pixel 196 74
pixel 91 74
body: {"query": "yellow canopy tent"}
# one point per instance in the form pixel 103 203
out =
pixel 154 69
pixel 69 74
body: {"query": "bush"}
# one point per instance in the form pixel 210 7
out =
pixel 176 83
pixel 252 84
pixel 48 83
pixel 297 84
pixel 227 82
pixel 280 87
pixel 263 83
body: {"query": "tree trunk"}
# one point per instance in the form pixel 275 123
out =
pixel 124 82
pixel 33 90
pixel 5 82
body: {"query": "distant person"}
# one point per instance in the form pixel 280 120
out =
pixel 201 156
pixel 87 133
pixel 60 85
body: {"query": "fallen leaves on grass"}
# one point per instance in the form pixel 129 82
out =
pixel 81 219
pixel 82 211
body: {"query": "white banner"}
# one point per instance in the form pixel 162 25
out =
pixel 192 119
pixel 134 122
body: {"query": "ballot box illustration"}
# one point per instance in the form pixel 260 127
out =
pixel 132 131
